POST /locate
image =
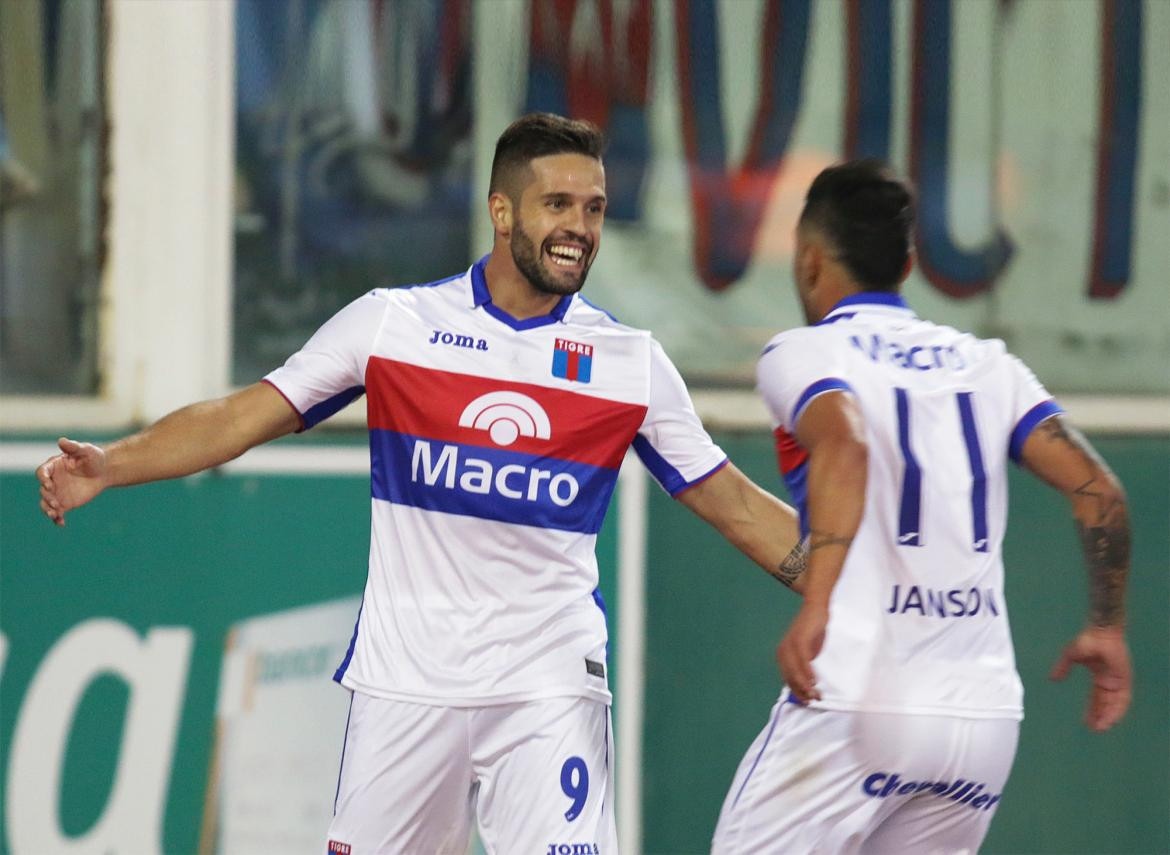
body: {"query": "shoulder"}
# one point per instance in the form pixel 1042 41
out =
pixel 448 288
pixel 984 354
pixel 798 342
pixel 985 347
pixel 802 362
pixel 583 313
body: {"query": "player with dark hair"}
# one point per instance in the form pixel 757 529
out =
pixel 500 407
pixel 898 724
pixel 538 135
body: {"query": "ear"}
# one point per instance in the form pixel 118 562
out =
pixel 907 267
pixel 500 211
pixel 811 261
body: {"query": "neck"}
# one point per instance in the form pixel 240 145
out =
pixel 510 289
pixel 830 292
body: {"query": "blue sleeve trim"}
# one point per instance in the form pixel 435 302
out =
pixel 671 479
pixel 697 481
pixel 829 384
pixel 318 413
pixel 665 474
pixel 1025 426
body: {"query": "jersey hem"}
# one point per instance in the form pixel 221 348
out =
pixel 1028 423
pixel 1013 713
pixel 300 416
pixel 432 700
pixel 815 390
pixel 695 483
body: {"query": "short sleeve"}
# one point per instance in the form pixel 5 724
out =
pixel 672 442
pixel 793 370
pixel 1031 405
pixel 329 371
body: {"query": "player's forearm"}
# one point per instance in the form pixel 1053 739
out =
pixel 1064 458
pixel 1057 453
pixel 836 499
pixel 753 520
pixel 195 438
pixel 1102 521
pixel 768 532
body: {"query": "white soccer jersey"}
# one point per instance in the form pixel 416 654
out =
pixel 918 621
pixel 495 445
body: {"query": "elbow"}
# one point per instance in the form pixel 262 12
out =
pixel 1114 492
pixel 1101 500
pixel 1105 483
pixel 1113 495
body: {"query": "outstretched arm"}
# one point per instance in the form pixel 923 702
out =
pixel 757 523
pixel 188 440
pixel 1058 454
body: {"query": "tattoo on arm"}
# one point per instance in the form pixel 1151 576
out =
pixel 1055 430
pixel 794 564
pixel 1106 547
pixel 1106 504
pixel 1102 523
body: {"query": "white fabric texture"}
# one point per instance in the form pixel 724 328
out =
pixel 495 447
pixel 918 621
pixel 828 781
pixel 539 774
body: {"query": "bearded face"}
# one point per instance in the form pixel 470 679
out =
pixel 557 221
pixel 558 265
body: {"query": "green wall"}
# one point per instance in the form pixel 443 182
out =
pixel 714 620
pixel 209 551
pixel 203 553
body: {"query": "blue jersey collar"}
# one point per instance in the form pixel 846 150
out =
pixel 483 298
pixel 875 298
pixel 849 306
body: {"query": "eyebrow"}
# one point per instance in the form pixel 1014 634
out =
pixel 562 194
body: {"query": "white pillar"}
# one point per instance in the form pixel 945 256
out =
pixel 631 655
pixel 167 319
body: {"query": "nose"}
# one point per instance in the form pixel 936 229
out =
pixel 575 221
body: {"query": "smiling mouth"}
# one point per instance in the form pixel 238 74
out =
pixel 566 255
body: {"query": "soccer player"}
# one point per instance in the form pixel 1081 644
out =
pixel 898 724
pixel 501 405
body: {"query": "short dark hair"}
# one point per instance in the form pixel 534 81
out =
pixel 537 135
pixel 867 214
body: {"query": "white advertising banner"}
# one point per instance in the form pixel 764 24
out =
pixel 281 723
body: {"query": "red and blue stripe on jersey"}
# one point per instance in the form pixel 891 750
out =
pixel 793 460
pixel 792 456
pixel 421 456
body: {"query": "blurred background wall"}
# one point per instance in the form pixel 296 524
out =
pixel 189 187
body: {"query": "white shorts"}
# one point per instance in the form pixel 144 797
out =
pixel 829 781
pixel 538 775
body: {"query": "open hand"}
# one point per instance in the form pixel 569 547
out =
pixel 70 479
pixel 1104 652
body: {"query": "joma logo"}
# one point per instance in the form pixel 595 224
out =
pixel 441 337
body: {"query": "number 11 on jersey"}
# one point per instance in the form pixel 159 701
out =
pixel 910 503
